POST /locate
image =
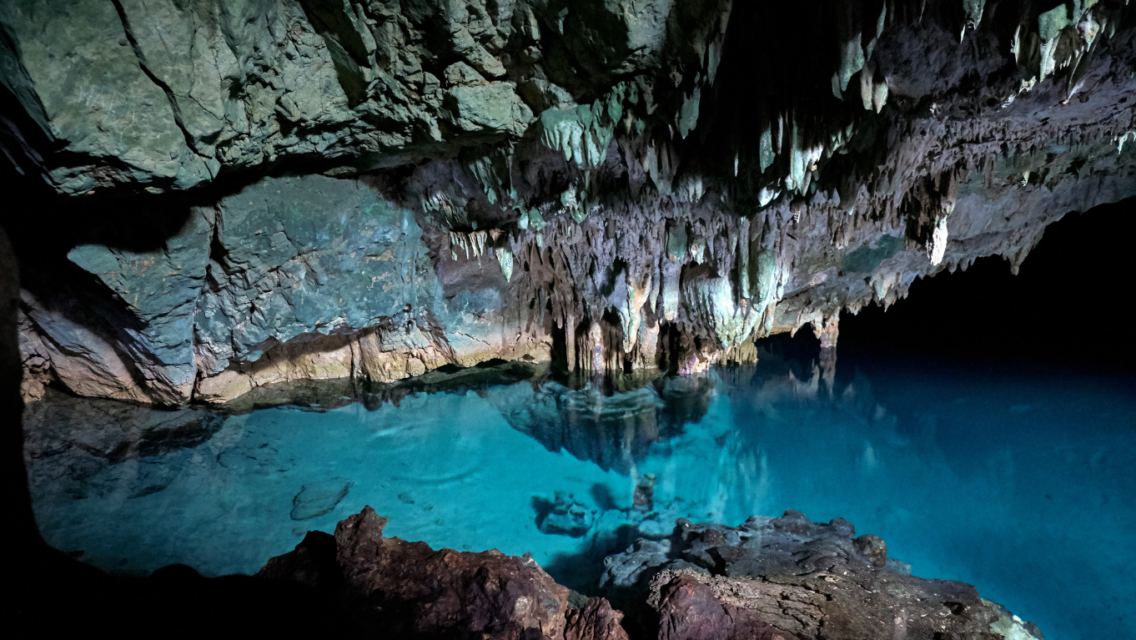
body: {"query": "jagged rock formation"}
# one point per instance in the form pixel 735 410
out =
pixel 788 577
pixel 769 578
pixel 408 590
pixel 373 190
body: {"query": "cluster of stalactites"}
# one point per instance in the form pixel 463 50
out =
pixel 475 244
pixel 856 56
pixel 802 143
pixel 620 287
pixel 1064 37
pixel 1057 39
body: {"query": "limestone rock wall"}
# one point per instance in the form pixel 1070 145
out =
pixel 374 190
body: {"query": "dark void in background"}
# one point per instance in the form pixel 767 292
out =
pixel 1073 303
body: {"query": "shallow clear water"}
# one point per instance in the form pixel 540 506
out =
pixel 1020 482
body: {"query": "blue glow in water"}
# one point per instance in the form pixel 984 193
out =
pixel 1019 483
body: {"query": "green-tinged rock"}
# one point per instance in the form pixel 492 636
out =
pixel 308 255
pixel 765 277
pixel 165 94
pixel 676 242
pixel 865 259
pixel 460 74
pixel 1050 24
pixel 531 219
pixel 490 165
pixel 466 46
pixel 577 133
pixel 159 291
pixel 973 10
pixel 613 36
pixel 879 96
pixel 851 62
pixel 714 302
pixel 766 156
pixel 505 259
pixel 584 133
pixel 100 102
pixel 490 108
pixel 189 42
pixel 688 116
pixel 349 42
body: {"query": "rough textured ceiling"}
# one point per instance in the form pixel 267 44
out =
pixel 256 192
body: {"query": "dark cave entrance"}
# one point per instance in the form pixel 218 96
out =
pixel 1066 306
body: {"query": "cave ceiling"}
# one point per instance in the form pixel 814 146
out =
pixel 234 195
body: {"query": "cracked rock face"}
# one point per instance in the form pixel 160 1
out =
pixel 337 189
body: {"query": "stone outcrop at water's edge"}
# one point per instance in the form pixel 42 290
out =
pixel 770 578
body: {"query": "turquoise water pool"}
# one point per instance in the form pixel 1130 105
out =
pixel 1018 481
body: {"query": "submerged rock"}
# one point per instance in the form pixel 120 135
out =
pixel 319 498
pixel 788 577
pixel 567 517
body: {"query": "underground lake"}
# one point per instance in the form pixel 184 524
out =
pixel 1016 480
pixel 569 319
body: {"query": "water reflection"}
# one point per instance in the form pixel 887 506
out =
pixel 613 430
pixel 980 475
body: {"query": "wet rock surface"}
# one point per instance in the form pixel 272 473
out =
pixel 788 577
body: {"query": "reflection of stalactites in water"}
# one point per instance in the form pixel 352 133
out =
pixel 806 390
pixel 828 369
pixel 785 389
pixel 754 482
pixel 644 498
pixel 612 429
pixel 686 399
pixel 868 462
pixel 726 476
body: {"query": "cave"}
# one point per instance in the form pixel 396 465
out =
pixel 569 319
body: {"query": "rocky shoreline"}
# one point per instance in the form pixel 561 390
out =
pixel 770 578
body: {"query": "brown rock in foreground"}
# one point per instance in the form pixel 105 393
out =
pixel 406 589
pixel 595 621
pixel 689 608
pixel 781 578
